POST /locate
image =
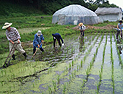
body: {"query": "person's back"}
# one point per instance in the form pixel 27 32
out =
pixel 58 37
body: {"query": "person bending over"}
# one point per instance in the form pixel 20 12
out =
pixel 57 37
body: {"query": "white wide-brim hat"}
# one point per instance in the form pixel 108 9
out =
pixel 39 32
pixel 6 25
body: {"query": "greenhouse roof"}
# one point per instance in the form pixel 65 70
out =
pixel 75 10
pixel 103 11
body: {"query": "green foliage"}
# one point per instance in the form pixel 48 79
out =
pixel 21 8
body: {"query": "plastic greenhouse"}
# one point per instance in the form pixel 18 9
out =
pixel 74 14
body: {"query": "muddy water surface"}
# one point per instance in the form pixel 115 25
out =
pixel 75 68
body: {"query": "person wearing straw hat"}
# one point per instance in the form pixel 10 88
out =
pixel 82 28
pixel 37 42
pixel 119 29
pixel 13 37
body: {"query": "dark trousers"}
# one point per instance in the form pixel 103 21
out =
pixel 34 49
pixel 82 33
pixel 118 32
pixel 58 42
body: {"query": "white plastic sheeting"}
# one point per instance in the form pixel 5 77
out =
pixel 109 14
pixel 74 14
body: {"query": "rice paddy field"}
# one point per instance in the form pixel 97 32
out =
pixel 84 65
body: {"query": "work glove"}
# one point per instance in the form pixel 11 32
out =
pixel 62 44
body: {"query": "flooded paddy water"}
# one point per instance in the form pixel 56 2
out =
pixel 88 65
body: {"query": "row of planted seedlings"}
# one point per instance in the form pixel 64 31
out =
pixel 21 71
pixel 73 67
pixel 101 71
pixel 112 62
pixel 70 49
pixel 13 77
pixel 86 45
pixel 56 83
pixel 52 81
pixel 68 71
pixel 91 64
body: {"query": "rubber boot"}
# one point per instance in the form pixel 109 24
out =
pixel 25 55
pixel 13 56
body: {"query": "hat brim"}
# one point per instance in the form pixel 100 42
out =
pixel 120 21
pixel 4 27
pixel 80 24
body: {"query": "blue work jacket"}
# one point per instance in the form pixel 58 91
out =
pixel 37 40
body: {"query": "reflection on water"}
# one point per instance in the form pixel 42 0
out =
pixel 73 46
pixel 119 43
pixel 81 41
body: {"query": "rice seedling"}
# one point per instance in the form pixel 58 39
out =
pixel 81 63
pixel 77 67
pixel 50 90
pixel 64 88
pixel 2 83
pixel 54 85
pixel 70 78
pixel 2 72
pixel 58 78
pixel 33 85
pixel 72 62
pixel 69 66
pixel 66 68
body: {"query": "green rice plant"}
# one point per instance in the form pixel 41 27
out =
pixel 58 78
pixel 81 63
pixel 66 68
pixel 73 75
pixel 87 71
pixel 50 90
pixel 77 67
pixel 69 66
pixel 69 78
pixel 74 72
pixel 2 72
pixel 64 88
pixel 2 83
pixel 54 85
pixel 100 75
pixel 33 85
pixel 112 67
pixel 72 62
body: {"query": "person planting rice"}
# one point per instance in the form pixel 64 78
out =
pixel 119 29
pixel 82 28
pixel 37 42
pixel 13 36
pixel 58 37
